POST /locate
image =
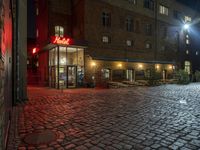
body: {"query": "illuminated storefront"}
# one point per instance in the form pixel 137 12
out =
pixel 66 64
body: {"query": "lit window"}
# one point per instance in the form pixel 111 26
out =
pixel 106 73
pixel 163 10
pixel 148 45
pixel 197 53
pixel 106 19
pixel 105 39
pixel 129 42
pixel 187 52
pixel 59 31
pixel 187 67
pixel 188 19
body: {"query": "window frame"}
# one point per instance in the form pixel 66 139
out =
pixel 129 24
pixel 163 10
pixel 106 19
pixel 105 39
pixel 59 31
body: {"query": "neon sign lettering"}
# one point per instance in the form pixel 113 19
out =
pixel 61 40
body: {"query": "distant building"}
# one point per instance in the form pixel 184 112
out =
pixel 92 42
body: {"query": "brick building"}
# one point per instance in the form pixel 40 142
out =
pixel 112 40
pixel 12 61
pixel 5 70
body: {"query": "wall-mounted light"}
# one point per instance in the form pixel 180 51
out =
pixel 170 67
pixel 157 67
pixel 93 64
pixel 140 66
pixel 119 65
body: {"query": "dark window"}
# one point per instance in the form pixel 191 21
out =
pixel 106 19
pixel 129 24
pixel 133 1
pixel 149 4
pixel 137 26
pixel 177 14
pixel 148 29
pixel 164 32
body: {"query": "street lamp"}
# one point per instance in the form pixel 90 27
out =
pixel 93 64
pixel 186 26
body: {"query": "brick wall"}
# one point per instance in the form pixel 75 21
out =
pixel 2 109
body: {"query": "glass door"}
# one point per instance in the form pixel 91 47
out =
pixel 62 77
pixel 129 75
pixel 71 76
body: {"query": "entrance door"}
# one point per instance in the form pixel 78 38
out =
pixel 71 76
pixel 164 75
pixel 129 75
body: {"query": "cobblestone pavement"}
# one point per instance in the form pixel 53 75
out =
pixel 164 117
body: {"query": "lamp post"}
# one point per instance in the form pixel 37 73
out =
pixel 93 64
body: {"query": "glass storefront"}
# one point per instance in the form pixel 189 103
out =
pixel 66 67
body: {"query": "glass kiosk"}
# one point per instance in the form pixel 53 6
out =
pixel 66 67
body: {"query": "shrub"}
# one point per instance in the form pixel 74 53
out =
pixel 154 78
pixel 197 76
pixel 183 77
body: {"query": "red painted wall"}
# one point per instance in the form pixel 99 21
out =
pixel 42 24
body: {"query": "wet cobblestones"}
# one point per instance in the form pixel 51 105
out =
pixel 164 117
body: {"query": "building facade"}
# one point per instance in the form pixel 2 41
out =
pixel 91 41
pixel 12 61
pixel 5 70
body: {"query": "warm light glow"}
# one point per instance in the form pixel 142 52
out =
pixel 157 66
pixel 60 40
pixel 119 65
pixel 93 64
pixel 170 67
pixel 140 66
pixel 63 61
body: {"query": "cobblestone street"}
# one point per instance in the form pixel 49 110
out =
pixel 163 117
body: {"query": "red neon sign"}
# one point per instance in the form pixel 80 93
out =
pixel 60 40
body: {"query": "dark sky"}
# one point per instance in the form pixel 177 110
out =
pixel 195 4
pixel 31 19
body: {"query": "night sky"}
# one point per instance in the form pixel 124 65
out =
pixel 195 4
pixel 31 19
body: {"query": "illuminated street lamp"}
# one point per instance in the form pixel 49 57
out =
pixel 186 26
